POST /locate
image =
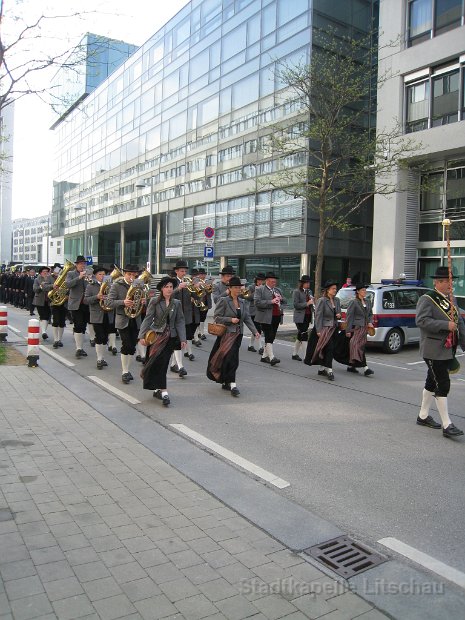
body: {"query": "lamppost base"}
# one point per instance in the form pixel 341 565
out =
pixel 33 361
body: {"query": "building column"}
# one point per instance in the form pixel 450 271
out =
pixel 304 264
pixel 122 241
pixel 158 243
pixel 223 262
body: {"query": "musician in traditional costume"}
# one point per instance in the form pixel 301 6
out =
pixel 76 284
pixel 320 348
pixel 127 326
pixel 303 313
pixel 59 312
pixel 102 321
pixel 441 330
pixel 41 286
pixel 359 319
pixel 220 289
pixel 206 299
pixel 259 280
pixel 164 320
pixel 233 312
pixel 269 301
pixel 183 295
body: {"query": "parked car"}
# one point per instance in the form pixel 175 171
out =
pixel 394 312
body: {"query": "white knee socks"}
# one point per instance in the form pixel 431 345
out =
pixel 426 404
pixel 43 326
pixel 178 358
pixel 56 336
pixel 100 351
pixel 126 362
pixel 297 345
pixel 441 403
pixel 78 339
pixel 112 340
pixel 60 333
pixel 91 331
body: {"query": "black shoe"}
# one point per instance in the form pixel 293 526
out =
pixel 275 361
pixel 131 378
pixel 352 369
pixel 164 399
pixel 104 363
pixel 235 391
pixel 126 378
pixel 191 356
pixel 297 358
pixel 368 372
pixel 452 431
pixel 322 373
pixel 252 349
pixel 182 372
pixel 139 358
pixel 60 344
pixel 265 360
pixel 428 421
pixel 78 353
pixel 203 337
pixel 174 368
pixel 260 350
pixel 114 351
pixel 197 343
pixel 100 364
pixel 226 386
pixel 44 336
pixel 55 345
pixel 92 343
pixel 330 375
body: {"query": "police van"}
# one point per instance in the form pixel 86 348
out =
pixel 394 311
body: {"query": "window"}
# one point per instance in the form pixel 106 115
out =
pixel 445 98
pixel 427 18
pixel 417 106
pixel 407 299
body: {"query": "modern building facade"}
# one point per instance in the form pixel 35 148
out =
pixel 32 244
pixel 6 180
pixel 427 93
pixel 172 143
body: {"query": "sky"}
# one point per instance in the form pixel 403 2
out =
pixel 134 22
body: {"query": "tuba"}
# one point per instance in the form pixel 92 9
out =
pixel 58 296
pixel 138 293
pixel 105 287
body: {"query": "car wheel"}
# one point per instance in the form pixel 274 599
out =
pixel 394 341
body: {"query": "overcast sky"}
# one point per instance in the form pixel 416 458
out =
pixel 133 21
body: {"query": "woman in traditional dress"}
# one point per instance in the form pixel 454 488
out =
pixel 303 313
pixel 233 312
pixel 359 319
pixel 320 348
pixel 164 322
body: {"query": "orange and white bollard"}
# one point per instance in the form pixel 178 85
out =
pixel 3 323
pixel 33 331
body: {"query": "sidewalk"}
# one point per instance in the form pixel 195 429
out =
pixel 95 525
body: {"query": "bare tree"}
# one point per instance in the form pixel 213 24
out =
pixel 343 162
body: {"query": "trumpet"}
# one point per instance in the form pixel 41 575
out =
pixel 196 293
pixel 247 294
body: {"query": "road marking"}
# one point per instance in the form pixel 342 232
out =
pixel 388 365
pixel 114 390
pixel 233 457
pixel 13 329
pixel 57 357
pixel 413 363
pixel 446 571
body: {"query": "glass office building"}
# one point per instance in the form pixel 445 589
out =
pixel 172 142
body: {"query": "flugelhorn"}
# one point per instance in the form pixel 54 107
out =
pixel 105 288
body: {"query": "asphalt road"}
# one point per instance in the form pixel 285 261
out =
pixel 350 450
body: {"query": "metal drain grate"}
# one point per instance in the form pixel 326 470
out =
pixel 344 556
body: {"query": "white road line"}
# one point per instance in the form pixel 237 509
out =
pixel 14 330
pixel 57 357
pixel 413 363
pixel 388 365
pixel 114 390
pixel 448 572
pixel 233 457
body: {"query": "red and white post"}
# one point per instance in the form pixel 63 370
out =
pixel 33 332
pixel 3 323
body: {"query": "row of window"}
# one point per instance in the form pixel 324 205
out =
pixel 428 18
pixel 436 99
pixel 443 191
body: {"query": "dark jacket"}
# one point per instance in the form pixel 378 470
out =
pixel 225 311
pixel 155 312
pixel 325 314
pixel 357 315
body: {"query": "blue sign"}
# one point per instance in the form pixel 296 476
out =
pixel 209 232
pixel 208 252
pixel 89 260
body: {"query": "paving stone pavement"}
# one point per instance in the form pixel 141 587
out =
pixel 94 525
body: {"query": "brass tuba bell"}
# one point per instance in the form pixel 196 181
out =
pixel 138 293
pixel 58 295
pixel 105 288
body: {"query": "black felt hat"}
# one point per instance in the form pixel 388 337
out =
pixel 227 271
pixel 271 274
pixel 260 276
pixel 181 264
pixel 235 281
pixel 80 259
pixel 329 283
pixel 132 268
pixel 305 279
pixel 202 270
pixel 442 273
pixel 360 285
pixel 98 268
pixel 166 280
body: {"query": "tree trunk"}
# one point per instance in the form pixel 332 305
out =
pixel 320 255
